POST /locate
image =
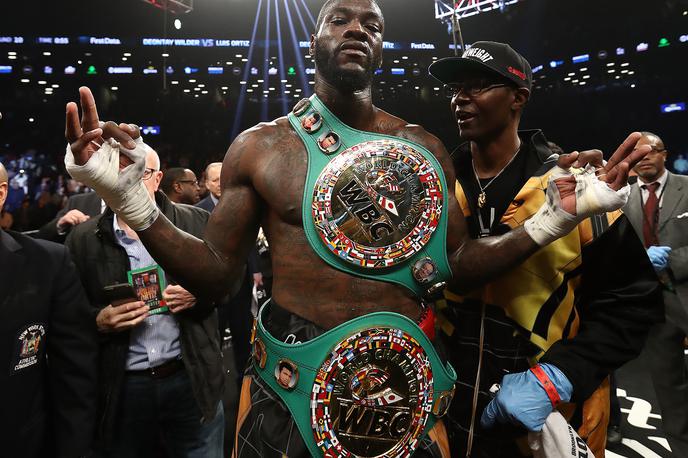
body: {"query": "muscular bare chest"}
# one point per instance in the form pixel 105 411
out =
pixel 281 173
pixel 301 277
pixel 281 178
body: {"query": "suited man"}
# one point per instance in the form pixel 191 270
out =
pixel 658 210
pixel 79 208
pixel 181 186
pixel 212 182
pixel 48 409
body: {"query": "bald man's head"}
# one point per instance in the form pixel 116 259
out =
pixel 3 185
pixel 652 166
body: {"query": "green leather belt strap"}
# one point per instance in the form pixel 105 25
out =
pixel 308 356
pixel 317 160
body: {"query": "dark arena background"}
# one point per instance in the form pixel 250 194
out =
pixel 195 73
pixel 198 78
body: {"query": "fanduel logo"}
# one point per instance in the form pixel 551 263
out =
pixel 478 53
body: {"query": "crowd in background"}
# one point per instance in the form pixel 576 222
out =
pixel 39 186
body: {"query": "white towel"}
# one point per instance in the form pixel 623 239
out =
pixel 558 440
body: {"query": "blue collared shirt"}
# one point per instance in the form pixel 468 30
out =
pixel 155 340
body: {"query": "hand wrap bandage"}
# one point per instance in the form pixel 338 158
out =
pixel 558 440
pixel 592 196
pixel 123 191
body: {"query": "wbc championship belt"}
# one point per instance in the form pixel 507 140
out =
pixel 373 204
pixel 371 387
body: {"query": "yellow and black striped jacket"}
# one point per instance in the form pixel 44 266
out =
pixel 539 296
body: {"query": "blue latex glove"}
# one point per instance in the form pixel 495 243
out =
pixel 659 256
pixel 523 401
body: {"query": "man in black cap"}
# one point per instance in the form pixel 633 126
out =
pixel 564 319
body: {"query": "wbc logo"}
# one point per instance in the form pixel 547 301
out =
pixel 381 199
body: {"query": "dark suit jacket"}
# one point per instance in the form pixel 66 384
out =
pixel 48 407
pixel 673 232
pixel 88 203
pixel 207 204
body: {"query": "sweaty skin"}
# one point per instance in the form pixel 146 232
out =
pixel 263 177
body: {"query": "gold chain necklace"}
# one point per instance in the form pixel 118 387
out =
pixel 482 197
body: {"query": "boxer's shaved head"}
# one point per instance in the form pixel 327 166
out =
pixel 329 4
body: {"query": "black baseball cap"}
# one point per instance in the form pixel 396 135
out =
pixel 486 55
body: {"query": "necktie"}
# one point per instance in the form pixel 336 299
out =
pixel 651 217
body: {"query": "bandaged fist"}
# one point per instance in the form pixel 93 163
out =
pixel 582 185
pixel 523 401
pixel 111 159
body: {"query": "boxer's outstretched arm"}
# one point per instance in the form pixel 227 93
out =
pixel 209 267
pixel 475 262
pixel 214 266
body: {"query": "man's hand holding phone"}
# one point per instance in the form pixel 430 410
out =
pixel 124 312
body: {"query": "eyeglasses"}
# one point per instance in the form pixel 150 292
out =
pixel 194 182
pixel 470 88
pixel 148 173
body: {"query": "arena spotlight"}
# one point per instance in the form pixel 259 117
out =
pixel 295 44
pixel 177 24
pixel 280 53
pixel 242 96
pixel 266 62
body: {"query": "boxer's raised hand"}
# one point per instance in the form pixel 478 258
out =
pixel 582 185
pixel 85 135
pixel 615 171
pixel 111 159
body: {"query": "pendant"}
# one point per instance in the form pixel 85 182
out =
pixel 482 199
